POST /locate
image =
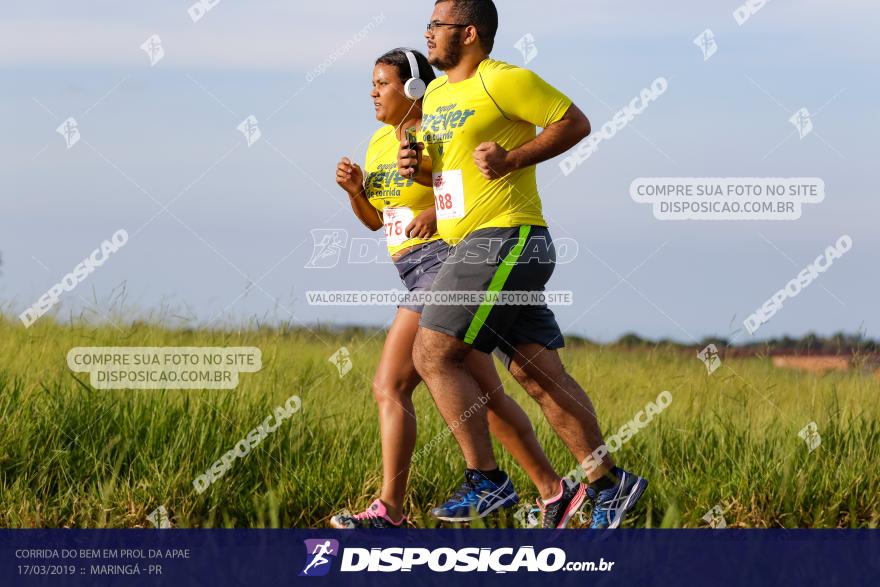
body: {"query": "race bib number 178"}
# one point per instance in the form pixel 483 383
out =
pixel 396 220
pixel 449 195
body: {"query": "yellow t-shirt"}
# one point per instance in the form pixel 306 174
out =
pixel 504 104
pixel 399 199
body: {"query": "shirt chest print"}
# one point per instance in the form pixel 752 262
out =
pixel 388 179
pixel 439 126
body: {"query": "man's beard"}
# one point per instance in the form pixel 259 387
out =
pixel 453 54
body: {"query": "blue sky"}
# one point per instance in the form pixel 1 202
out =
pixel 235 241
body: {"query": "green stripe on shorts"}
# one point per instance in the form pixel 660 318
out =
pixel 496 285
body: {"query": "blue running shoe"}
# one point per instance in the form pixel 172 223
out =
pixel 476 498
pixel 611 505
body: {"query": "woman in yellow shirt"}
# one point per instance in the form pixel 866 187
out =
pixel 382 199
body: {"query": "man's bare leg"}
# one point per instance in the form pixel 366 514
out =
pixel 564 402
pixel 511 426
pixel 441 361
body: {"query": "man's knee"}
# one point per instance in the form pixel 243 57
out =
pixel 527 382
pixel 539 373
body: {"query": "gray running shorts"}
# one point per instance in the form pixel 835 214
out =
pixel 419 267
pixel 519 259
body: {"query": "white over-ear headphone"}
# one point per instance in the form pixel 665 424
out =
pixel 414 88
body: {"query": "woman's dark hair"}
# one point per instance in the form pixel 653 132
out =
pixel 397 58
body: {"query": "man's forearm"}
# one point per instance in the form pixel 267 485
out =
pixel 554 140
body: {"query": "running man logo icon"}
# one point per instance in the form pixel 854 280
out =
pixel 69 129
pixel 250 128
pixel 715 517
pixel 803 122
pixel 342 359
pixel 527 47
pixel 159 518
pixel 153 48
pixel 810 435
pixel 319 554
pixel 328 245
pixel 710 358
pixel 528 516
pixel 706 42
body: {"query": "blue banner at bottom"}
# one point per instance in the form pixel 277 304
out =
pixel 434 557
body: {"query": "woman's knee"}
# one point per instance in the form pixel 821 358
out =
pixel 392 389
pixel 506 416
pixel 497 424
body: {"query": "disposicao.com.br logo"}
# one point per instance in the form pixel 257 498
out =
pixel 443 559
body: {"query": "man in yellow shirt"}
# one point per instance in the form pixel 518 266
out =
pixel 479 127
pixel 382 199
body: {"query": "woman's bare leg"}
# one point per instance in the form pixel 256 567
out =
pixel 393 386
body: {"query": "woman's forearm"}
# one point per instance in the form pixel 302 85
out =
pixel 365 211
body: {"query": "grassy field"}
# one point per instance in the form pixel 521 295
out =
pixel 71 456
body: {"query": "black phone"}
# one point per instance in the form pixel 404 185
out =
pixel 411 137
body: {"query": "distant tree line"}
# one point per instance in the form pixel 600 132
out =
pixel 810 344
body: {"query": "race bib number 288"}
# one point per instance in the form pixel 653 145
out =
pixel 449 195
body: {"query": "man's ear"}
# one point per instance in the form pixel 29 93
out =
pixel 472 36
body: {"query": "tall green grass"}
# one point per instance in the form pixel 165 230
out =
pixel 71 456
